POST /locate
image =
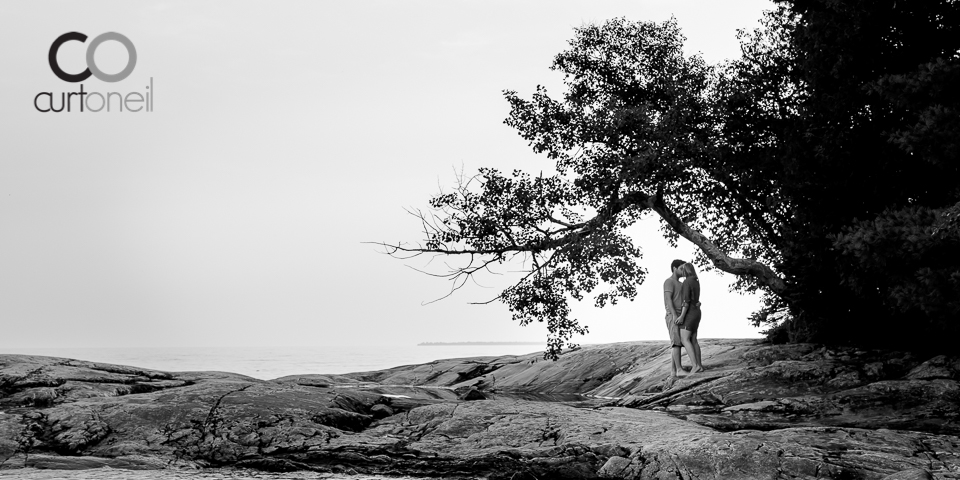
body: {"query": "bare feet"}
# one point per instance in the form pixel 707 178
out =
pixel 686 369
pixel 696 370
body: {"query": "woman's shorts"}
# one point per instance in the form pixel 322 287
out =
pixel 691 322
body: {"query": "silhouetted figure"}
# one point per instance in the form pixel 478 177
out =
pixel 672 289
pixel 689 318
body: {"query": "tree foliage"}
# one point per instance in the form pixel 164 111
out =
pixel 820 167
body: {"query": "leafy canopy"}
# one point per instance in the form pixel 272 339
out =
pixel 820 168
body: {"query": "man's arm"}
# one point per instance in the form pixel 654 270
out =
pixel 668 303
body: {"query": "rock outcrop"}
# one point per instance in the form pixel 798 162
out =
pixel 602 411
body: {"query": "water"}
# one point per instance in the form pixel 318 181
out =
pixel 224 474
pixel 273 362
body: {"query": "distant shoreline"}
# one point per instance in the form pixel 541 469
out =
pixel 458 344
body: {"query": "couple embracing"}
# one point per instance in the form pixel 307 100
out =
pixel 682 301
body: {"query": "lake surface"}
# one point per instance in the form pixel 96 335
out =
pixel 273 362
pixel 224 474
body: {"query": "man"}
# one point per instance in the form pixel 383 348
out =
pixel 673 304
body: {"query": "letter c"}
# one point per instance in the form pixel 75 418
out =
pixel 49 95
pixel 55 47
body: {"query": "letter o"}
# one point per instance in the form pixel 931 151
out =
pixel 92 64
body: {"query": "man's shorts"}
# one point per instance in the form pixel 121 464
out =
pixel 674 330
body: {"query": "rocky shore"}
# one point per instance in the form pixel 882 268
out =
pixel 602 411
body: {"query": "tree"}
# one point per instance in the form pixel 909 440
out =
pixel 868 149
pixel 783 166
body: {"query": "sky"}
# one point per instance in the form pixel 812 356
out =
pixel 283 137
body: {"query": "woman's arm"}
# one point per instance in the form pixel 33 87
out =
pixel 685 295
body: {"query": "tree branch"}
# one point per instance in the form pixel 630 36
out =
pixel 737 266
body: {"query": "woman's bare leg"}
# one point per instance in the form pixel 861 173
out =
pixel 698 365
pixel 687 344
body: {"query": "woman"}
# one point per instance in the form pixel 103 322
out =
pixel 689 319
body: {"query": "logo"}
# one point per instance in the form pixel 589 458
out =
pixel 91 59
pixel 94 101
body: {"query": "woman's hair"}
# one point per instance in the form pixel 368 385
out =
pixel 687 270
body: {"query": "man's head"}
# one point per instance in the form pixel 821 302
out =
pixel 676 263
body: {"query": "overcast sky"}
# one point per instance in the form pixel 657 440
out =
pixel 284 135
